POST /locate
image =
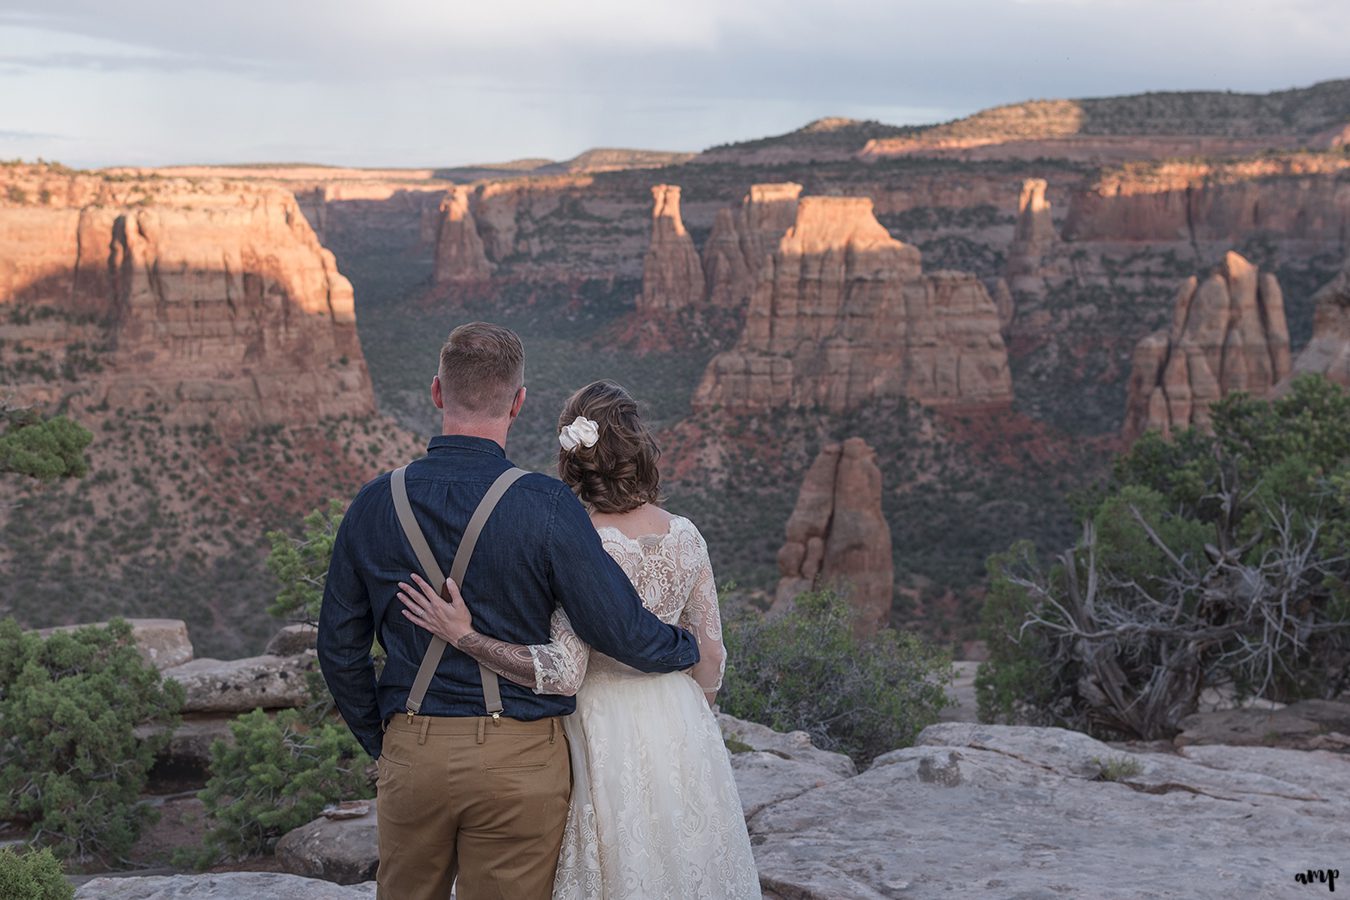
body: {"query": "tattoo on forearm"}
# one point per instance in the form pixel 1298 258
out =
pixel 511 661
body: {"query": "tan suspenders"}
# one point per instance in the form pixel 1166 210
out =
pixel 492 695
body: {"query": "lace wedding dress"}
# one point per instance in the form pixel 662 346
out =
pixel 655 812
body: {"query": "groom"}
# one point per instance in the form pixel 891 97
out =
pixel 461 792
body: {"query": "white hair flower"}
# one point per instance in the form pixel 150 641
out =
pixel 582 432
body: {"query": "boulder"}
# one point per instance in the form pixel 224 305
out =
pixel 240 685
pixel 220 886
pixel 341 847
pixel 792 745
pixel 292 640
pixel 163 643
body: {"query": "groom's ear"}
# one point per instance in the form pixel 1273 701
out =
pixel 437 397
pixel 517 403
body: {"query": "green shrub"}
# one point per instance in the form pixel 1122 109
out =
pixel 35 875
pixel 805 670
pixel 42 448
pixel 301 564
pixel 70 764
pixel 277 775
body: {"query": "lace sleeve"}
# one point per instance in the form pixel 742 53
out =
pixel 703 619
pixel 560 665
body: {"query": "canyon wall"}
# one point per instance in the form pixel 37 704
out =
pixel 841 314
pixel 1298 197
pixel 838 537
pixel 213 300
pixel 1228 334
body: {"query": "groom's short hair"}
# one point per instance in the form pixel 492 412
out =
pixel 482 368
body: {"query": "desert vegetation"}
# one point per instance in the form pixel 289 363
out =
pixel 1209 561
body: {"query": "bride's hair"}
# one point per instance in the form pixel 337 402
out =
pixel 619 473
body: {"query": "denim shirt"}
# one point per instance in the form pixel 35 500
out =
pixel 538 551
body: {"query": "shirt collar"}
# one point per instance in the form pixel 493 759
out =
pixel 444 442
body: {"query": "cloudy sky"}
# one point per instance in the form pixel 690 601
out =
pixel 443 82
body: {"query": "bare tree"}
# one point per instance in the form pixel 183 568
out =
pixel 1145 651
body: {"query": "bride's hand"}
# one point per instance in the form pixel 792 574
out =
pixel 449 621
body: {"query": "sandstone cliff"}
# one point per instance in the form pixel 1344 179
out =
pixel 742 240
pixel 459 250
pixel 1328 353
pixel 837 535
pixel 672 274
pixel 841 315
pixel 1228 334
pixel 214 301
pixel 1295 196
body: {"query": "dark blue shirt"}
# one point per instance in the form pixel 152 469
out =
pixel 538 551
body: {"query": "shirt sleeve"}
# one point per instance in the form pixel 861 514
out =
pixel 604 608
pixel 702 617
pixel 560 665
pixel 346 631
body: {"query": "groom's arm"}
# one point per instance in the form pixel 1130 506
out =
pixel 605 610
pixel 346 630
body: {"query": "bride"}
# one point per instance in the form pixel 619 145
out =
pixel 655 811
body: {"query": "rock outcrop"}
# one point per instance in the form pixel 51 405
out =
pixel 743 239
pixel 342 845
pixel 1033 238
pixel 221 886
pixel 213 300
pixel 842 315
pixel 837 535
pixel 460 256
pixel 991 810
pixel 1228 334
pixel 1328 353
pixel 672 274
pixel 239 685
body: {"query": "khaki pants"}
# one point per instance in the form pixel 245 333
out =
pixel 483 800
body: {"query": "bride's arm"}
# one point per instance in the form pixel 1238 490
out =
pixel 703 619
pixel 557 667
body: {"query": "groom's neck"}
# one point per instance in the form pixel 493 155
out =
pixel 492 429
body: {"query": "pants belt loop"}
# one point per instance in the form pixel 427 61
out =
pixel 384 724
pixel 552 731
pixel 482 729
pixel 422 735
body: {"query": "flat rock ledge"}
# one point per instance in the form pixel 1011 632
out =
pixel 1009 811
pixel 240 685
pixel 221 886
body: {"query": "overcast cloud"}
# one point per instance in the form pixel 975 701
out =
pixel 439 82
